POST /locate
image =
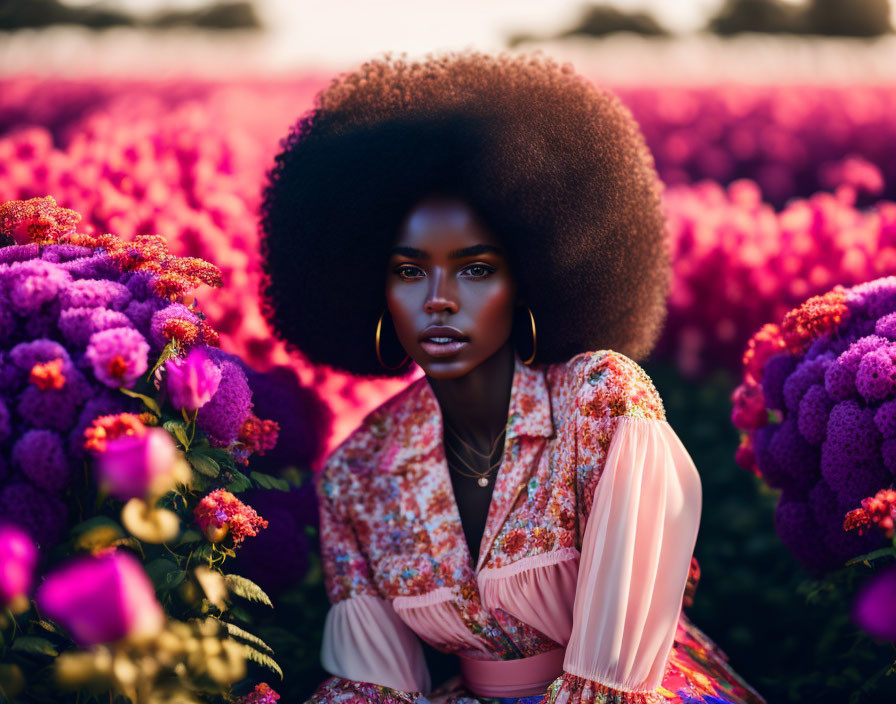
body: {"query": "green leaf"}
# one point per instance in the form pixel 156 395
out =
pixel 204 464
pixel 268 482
pixel 50 626
pixel 882 552
pixel 172 579
pixel 238 632
pixel 240 482
pixel 262 659
pixel 34 644
pixel 189 536
pixel 178 430
pixel 91 523
pixel 170 350
pixel 150 403
pixel 159 569
pixel 247 589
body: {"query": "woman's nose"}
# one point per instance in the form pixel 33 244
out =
pixel 440 298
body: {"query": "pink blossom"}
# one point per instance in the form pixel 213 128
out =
pixel 135 466
pixel 102 599
pixel 18 556
pixel 193 380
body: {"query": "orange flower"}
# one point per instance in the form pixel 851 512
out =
pixel 106 428
pixel 817 316
pixel 48 375
pixel 38 220
pixel 766 343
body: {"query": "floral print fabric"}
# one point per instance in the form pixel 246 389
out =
pixel 391 529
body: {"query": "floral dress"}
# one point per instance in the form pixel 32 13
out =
pixel 583 564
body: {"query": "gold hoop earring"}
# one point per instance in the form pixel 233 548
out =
pixel 532 320
pixel 379 327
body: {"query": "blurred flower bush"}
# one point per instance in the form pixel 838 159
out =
pixel 185 161
pixel 123 433
pixel 817 413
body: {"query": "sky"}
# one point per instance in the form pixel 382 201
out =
pixel 339 30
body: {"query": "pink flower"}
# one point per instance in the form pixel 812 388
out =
pixel 193 380
pixel 749 410
pixel 18 556
pixel 102 599
pixel 136 466
pixel 262 694
pixel 874 608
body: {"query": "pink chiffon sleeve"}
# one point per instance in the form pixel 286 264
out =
pixel 640 532
pixel 374 657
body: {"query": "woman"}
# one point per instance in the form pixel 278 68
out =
pixel 524 505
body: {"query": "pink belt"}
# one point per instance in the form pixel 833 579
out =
pixel 512 678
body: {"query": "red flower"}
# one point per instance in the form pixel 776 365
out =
pixel 514 541
pixel 262 694
pixel 878 510
pixel 764 344
pixel 259 435
pixel 38 220
pixel 817 316
pixel 221 512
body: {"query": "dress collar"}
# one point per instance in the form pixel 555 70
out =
pixel 529 411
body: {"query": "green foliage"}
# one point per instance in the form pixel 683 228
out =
pixel 247 589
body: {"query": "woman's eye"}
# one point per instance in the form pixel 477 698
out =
pixel 408 272
pixel 479 271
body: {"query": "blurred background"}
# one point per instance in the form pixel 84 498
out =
pixel 773 126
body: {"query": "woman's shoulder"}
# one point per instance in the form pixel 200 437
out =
pixel 359 448
pixel 607 383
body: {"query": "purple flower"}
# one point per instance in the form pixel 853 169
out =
pixel 774 374
pixel 222 416
pixel 26 354
pixel 102 404
pixel 876 375
pixel 141 312
pixel 193 380
pixel 135 466
pixel 886 326
pixel 39 455
pixel 43 514
pixel 850 454
pixel 796 459
pixel 32 283
pixel 5 423
pixel 840 376
pixel 139 283
pixel 95 293
pixel 59 253
pixel 118 356
pixel 98 266
pixel 55 409
pixel 796 527
pixel 874 608
pixel 18 253
pixel 78 324
pixel 812 417
pixel 175 311
pixel 885 418
pixel 102 599
pixel 807 373
pixel 18 558
pixel 888 454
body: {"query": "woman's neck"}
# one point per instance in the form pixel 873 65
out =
pixel 476 404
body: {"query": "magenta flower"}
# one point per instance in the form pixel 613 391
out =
pixel 193 380
pixel 118 356
pixel 137 466
pixel 874 608
pixel 102 599
pixel 18 556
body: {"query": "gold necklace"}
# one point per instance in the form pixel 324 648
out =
pixel 481 477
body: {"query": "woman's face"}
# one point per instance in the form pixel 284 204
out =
pixel 449 289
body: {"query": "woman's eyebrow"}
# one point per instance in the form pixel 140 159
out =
pixel 471 251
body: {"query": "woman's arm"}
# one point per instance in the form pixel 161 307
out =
pixel 374 656
pixel 641 523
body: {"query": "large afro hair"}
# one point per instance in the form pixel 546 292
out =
pixel 556 167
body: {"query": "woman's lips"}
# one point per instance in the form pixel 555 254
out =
pixel 443 349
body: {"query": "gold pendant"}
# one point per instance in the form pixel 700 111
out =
pixel 483 481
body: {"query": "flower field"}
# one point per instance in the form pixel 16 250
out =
pixel 774 195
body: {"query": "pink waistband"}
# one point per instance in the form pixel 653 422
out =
pixel 512 678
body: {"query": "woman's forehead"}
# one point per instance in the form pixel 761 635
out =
pixel 443 223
